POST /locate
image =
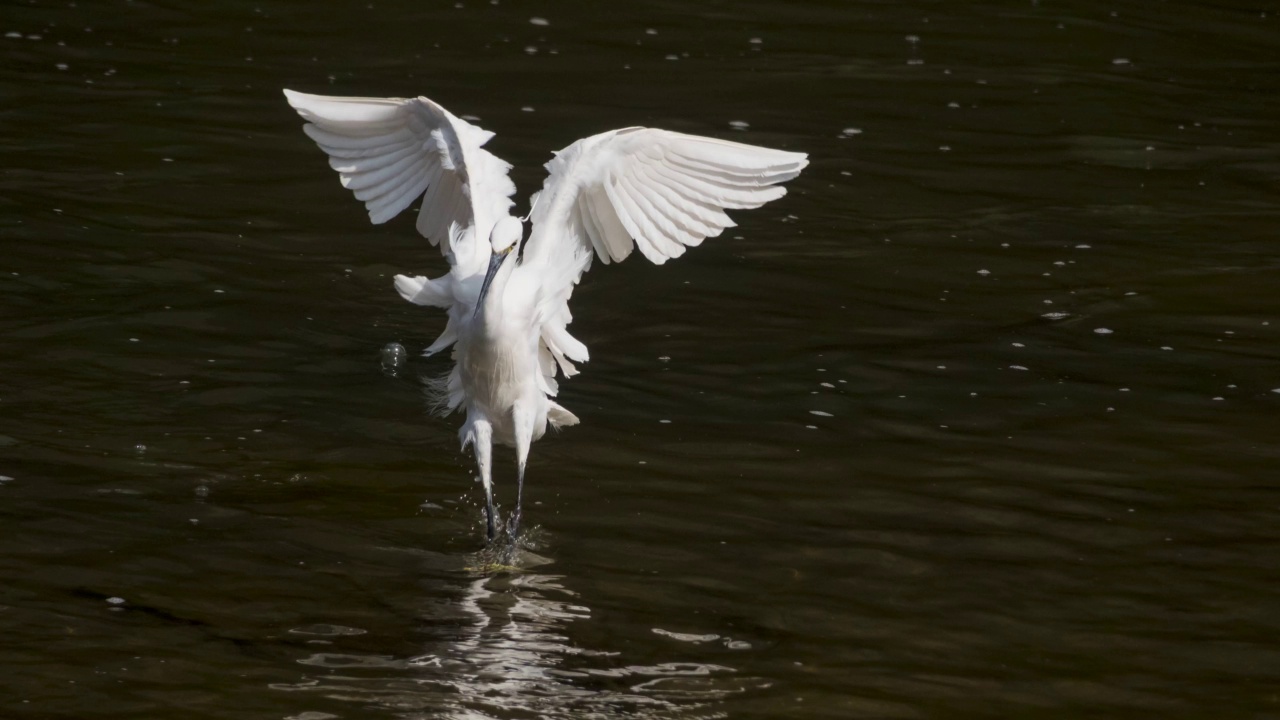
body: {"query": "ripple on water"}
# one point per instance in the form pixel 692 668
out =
pixel 327 630
pixel 687 637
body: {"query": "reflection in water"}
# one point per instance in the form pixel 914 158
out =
pixel 501 648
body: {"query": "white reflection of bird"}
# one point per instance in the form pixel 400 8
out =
pixel 508 301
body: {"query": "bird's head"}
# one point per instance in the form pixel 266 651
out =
pixel 506 235
pixel 504 238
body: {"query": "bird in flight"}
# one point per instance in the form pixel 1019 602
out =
pixel 507 296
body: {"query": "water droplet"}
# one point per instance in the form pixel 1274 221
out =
pixel 393 356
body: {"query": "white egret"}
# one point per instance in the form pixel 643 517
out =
pixel 508 301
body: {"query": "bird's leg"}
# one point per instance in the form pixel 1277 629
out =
pixel 483 438
pixel 522 420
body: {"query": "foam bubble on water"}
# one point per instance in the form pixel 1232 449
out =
pixel 1017 345
pixel 116 600
pixel 984 272
pixel 1103 331
pixel 1121 61
pixel 1055 315
pixel 739 124
pixel 1017 367
pixel 851 131
pixel 820 413
pixel 827 385
pixel 527 108
pixel 540 22
pixel 665 422
pixel 673 57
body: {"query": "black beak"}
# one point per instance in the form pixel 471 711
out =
pixel 495 262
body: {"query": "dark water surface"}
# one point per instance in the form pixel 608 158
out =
pixel 979 421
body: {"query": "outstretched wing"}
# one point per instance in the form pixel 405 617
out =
pixel 658 190
pixel 391 152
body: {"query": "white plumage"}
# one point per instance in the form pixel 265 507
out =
pixel 508 303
